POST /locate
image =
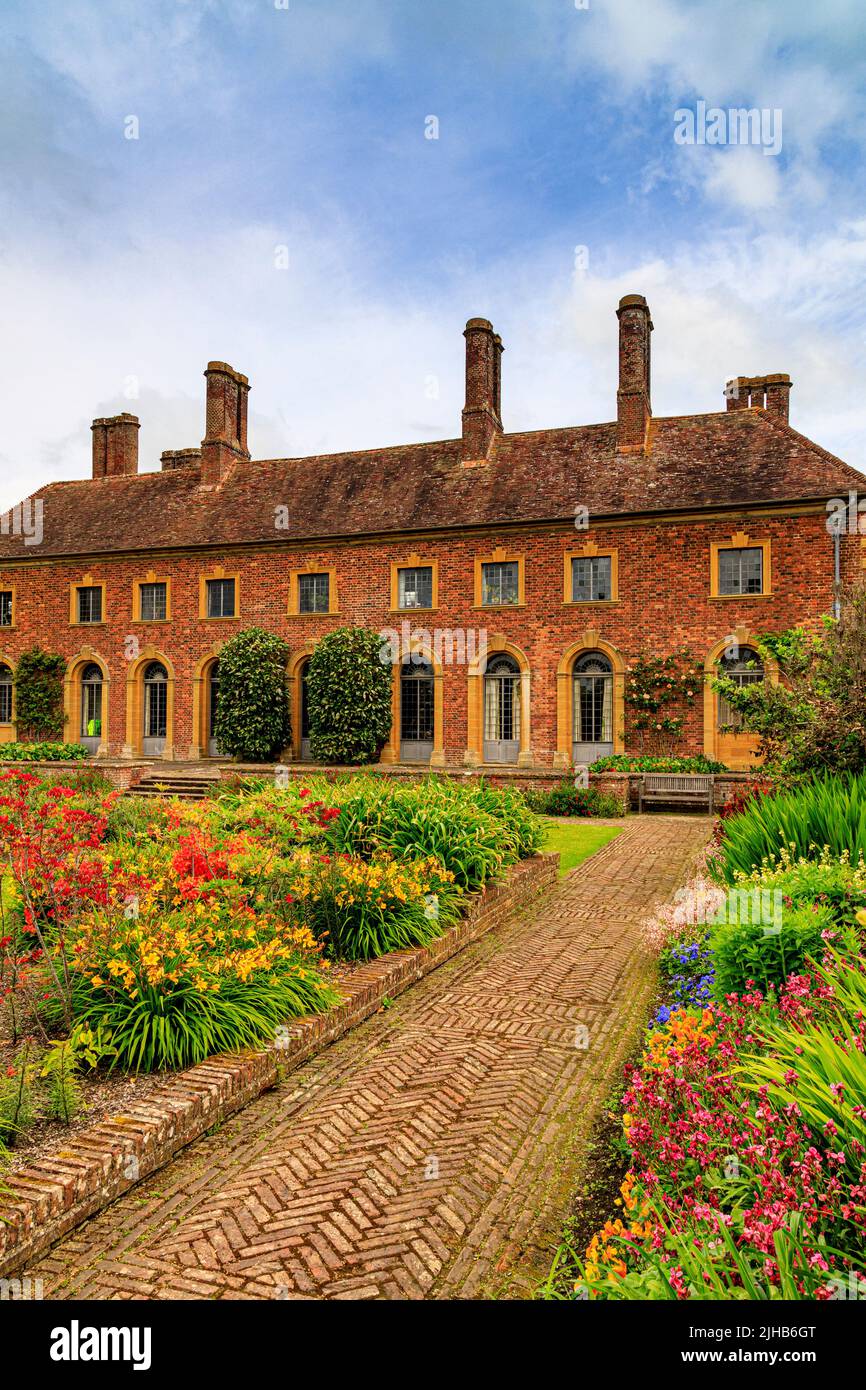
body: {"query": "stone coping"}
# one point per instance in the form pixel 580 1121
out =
pixel 42 1203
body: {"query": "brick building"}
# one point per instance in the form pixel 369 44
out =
pixel 529 569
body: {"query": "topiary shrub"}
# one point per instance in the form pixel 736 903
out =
pixel 349 693
pixel 252 716
pixel 39 694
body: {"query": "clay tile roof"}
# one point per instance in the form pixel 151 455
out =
pixel 732 458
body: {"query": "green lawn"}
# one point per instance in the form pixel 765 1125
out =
pixel 576 840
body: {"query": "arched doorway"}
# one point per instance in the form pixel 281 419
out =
pixel 592 734
pixel 155 709
pixel 501 709
pixel 305 712
pixel 416 710
pixel 213 695
pixel 744 667
pixel 90 725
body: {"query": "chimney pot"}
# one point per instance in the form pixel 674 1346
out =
pixel 482 414
pixel 633 408
pixel 115 445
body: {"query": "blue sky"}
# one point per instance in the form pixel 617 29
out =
pixel 126 264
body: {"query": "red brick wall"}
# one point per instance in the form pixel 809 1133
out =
pixel 664 588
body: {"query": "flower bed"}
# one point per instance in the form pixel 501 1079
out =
pixel 745 1116
pixel 149 935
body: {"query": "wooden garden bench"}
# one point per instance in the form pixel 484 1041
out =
pixel 676 789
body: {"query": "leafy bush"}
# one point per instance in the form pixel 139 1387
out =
pixel 638 762
pixel 835 883
pixel 827 811
pixel 758 951
pixel 173 987
pixel 349 694
pixel 252 716
pixel 474 832
pixel 43 752
pixel 39 694
pixel 569 800
pixel 364 910
pixel 814 719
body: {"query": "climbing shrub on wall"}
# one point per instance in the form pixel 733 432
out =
pixel 39 695
pixel 659 691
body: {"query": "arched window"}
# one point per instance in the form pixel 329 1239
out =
pixel 501 709
pixel 5 694
pixel 593 707
pixel 91 705
pixel 416 710
pixel 155 707
pixel 743 667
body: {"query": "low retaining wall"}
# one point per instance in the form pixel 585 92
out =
pixel 524 778
pixel 43 1203
pixel 122 775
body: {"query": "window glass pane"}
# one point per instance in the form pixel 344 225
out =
pixel 590 578
pixel 314 593
pixel 6 608
pixel 415 587
pixel 751 571
pixel 741 571
pixel 499 582
pixel 153 603
pixel 90 604
pixel 220 598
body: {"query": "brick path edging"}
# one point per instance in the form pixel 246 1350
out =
pixel 45 1202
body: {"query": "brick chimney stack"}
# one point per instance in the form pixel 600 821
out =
pixel 770 393
pixel 633 409
pixel 115 446
pixel 225 438
pixel 482 414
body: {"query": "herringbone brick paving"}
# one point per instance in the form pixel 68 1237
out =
pixel 431 1153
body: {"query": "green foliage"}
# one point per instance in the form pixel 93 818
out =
pixel 60 1071
pixel 42 752
pixel 89 782
pixel 639 762
pixel 349 691
pixel 39 694
pixel 252 717
pixel 828 811
pixel 716 1271
pixel 817 1068
pixel 16 1096
pixel 766 953
pixel 473 831
pixel 814 718
pixel 833 882
pixel 168 1031
pixel 658 692
pixel 365 910
pixel 568 800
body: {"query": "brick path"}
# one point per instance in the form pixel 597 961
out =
pixel 433 1152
